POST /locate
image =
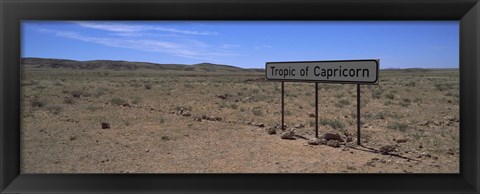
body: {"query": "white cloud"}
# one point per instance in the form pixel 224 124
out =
pixel 110 27
pixel 184 31
pixel 129 34
pixel 262 46
pixel 128 28
pixel 229 46
pixel 193 49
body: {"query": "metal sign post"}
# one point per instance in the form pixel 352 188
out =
pixel 316 109
pixel 283 108
pixel 343 71
pixel 358 114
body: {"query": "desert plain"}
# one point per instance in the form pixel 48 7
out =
pixel 130 117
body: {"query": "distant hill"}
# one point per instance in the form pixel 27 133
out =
pixel 408 70
pixel 128 65
pixel 418 70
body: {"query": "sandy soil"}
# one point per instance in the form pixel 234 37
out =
pixel 155 128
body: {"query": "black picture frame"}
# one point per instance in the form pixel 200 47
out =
pixel 465 11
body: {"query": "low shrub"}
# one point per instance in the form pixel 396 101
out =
pixel 398 126
pixel 92 108
pixel 77 93
pixel 54 109
pixel 390 96
pixel 118 101
pixel 38 103
pixel 257 111
pixel 136 100
pixel 334 123
pixel 148 86
pixel 69 100
pixel 342 102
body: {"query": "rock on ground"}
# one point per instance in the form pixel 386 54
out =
pixel 288 134
pixel 211 118
pixel 349 139
pixel 105 125
pixel 271 131
pixel 387 149
pixel 223 96
pixel 333 143
pixel 402 140
pixel 299 126
pixel 323 141
pixel 314 141
pixel 333 136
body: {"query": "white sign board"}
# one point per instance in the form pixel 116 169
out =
pixel 346 71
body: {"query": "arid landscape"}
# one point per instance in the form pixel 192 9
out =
pixel 128 117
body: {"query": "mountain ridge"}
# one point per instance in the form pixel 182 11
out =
pixel 132 65
pixel 127 65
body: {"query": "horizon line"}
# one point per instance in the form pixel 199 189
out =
pixel 156 63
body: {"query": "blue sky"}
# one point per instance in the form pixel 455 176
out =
pixel 247 44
